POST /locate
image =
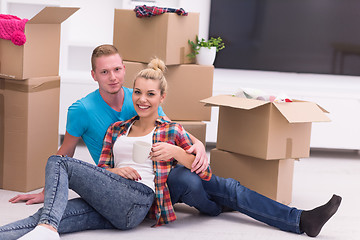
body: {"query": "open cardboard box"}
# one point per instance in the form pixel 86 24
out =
pixel 263 129
pixel 29 120
pixel 164 36
pixel 39 56
pixel 187 85
pixel 274 179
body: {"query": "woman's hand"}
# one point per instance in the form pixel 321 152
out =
pixel 163 151
pixel 126 172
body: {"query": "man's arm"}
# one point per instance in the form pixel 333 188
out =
pixel 201 161
pixel 67 148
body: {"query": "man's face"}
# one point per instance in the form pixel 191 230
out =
pixel 109 73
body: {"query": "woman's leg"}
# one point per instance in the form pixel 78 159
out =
pixel 124 203
pixel 114 201
pixel 78 216
pixel 231 193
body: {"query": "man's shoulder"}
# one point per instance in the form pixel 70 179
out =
pixel 93 96
pixel 85 104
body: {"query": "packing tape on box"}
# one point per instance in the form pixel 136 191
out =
pixel 35 85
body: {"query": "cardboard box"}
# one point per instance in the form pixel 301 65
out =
pixel 187 85
pixel 39 56
pixel 29 120
pixel 197 129
pixel 263 129
pixel 164 36
pixel 273 179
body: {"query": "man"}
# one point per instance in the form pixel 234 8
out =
pixel 89 118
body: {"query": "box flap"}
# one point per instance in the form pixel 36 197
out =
pixel 52 15
pixel 323 109
pixel 232 101
pixel 300 112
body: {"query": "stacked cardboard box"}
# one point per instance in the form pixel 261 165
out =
pixel 166 37
pixel 258 141
pixel 29 101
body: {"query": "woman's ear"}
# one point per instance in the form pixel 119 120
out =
pixel 162 97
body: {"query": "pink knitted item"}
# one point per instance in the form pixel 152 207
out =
pixel 12 28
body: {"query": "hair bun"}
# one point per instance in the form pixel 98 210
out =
pixel 157 64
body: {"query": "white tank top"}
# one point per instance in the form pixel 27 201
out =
pixel 122 150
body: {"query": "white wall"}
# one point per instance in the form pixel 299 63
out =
pixel 93 25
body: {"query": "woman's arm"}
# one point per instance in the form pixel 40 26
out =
pixel 106 160
pixel 126 172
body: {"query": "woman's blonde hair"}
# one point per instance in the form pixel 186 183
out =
pixel 155 71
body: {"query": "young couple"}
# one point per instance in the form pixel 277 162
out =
pixel 119 193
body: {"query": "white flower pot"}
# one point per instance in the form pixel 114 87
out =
pixel 206 56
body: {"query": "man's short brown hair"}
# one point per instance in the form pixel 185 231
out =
pixel 102 50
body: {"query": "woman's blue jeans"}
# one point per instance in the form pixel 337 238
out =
pixel 209 197
pixel 107 200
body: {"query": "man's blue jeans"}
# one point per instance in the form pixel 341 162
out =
pixel 209 197
pixel 107 200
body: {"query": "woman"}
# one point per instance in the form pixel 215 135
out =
pixel 169 141
pixel 118 181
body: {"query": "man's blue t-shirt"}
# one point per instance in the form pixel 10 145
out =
pixel 91 116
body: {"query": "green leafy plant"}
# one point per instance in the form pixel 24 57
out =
pixel 212 42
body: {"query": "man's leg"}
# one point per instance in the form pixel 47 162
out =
pixel 231 193
pixel 187 187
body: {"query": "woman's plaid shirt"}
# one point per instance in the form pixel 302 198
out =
pixel 169 132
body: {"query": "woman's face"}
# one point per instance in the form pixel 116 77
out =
pixel 147 97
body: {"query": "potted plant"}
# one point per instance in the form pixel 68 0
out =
pixel 205 51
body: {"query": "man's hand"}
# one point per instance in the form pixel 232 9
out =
pixel 28 198
pixel 201 161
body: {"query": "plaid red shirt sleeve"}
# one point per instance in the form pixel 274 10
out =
pixel 106 153
pixel 183 140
